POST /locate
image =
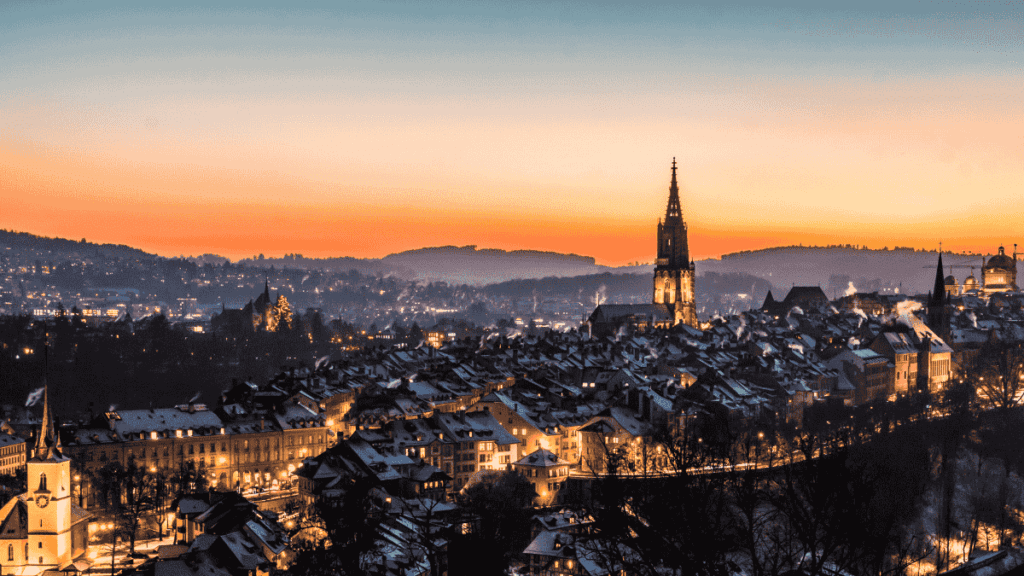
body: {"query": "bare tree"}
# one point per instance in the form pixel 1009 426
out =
pixel 998 375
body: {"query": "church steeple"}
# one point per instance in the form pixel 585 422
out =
pixel 939 291
pixel 674 271
pixel 47 441
pixel 673 211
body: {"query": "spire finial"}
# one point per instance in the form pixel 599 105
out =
pixel 673 211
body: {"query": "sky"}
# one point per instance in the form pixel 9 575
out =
pixel 368 128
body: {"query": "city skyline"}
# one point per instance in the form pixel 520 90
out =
pixel 370 129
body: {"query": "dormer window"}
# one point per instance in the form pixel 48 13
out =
pixel 152 435
pixel 190 432
pixel 177 433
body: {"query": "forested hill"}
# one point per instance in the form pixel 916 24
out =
pixel 64 248
pixel 838 269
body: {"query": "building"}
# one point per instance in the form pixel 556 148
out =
pixel 12 454
pixel 999 274
pixel 803 297
pixel 236 450
pixel 899 348
pixel 939 307
pixel 42 529
pixel 547 472
pixel 674 294
pixel 867 370
pixel 674 272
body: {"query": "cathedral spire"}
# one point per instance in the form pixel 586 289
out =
pixel 673 211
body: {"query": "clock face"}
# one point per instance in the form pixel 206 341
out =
pixel 42 501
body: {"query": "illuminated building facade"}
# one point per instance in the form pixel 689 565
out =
pixel 12 454
pixel 547 472
pixel 999 274
pixel 42 529
pixel 674 272
pixel 235 453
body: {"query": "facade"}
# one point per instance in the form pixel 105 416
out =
pixel 674 272
pixel 234 451
pixel 868 372
pixel 547 472
pixel 901 351
pixel 12 454
pixel 42 529
pixel 999 274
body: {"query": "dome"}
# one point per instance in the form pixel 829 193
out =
pixel 1000 260
pixel 950 280
pixel 971 281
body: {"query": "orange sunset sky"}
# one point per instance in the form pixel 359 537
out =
pixel 371 128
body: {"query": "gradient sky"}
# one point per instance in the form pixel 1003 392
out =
pixel 366 128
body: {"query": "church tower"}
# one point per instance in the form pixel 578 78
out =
pixel 49 545
pixel 939 305
pixel 674 272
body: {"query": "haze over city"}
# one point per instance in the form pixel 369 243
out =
pixel 363 129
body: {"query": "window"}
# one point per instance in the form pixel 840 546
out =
pixel 42 483
pixel 10 552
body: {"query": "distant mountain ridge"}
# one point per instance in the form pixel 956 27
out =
pixel 837 269
pixel 457 264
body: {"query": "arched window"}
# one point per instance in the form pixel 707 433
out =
pixel 42 482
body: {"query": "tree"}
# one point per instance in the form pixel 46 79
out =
pixel 683 522
pixel 279 316
pixel 339 535
pixel 499 506
pixel 127 492
pixel 998 375
pixel 187 480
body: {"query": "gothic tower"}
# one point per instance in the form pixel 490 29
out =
pixel 674 272
pixel 939 305
pixel 49 545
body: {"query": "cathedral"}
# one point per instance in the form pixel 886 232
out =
pixel 674 272
pixel 673 301
pixel 42 529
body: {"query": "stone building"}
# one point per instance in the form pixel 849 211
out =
pixel 674 295
pixel 999 274
pixel 234 449
pixel 12 454
pixel 674 272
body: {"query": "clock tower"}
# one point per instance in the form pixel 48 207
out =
pixel 49 498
